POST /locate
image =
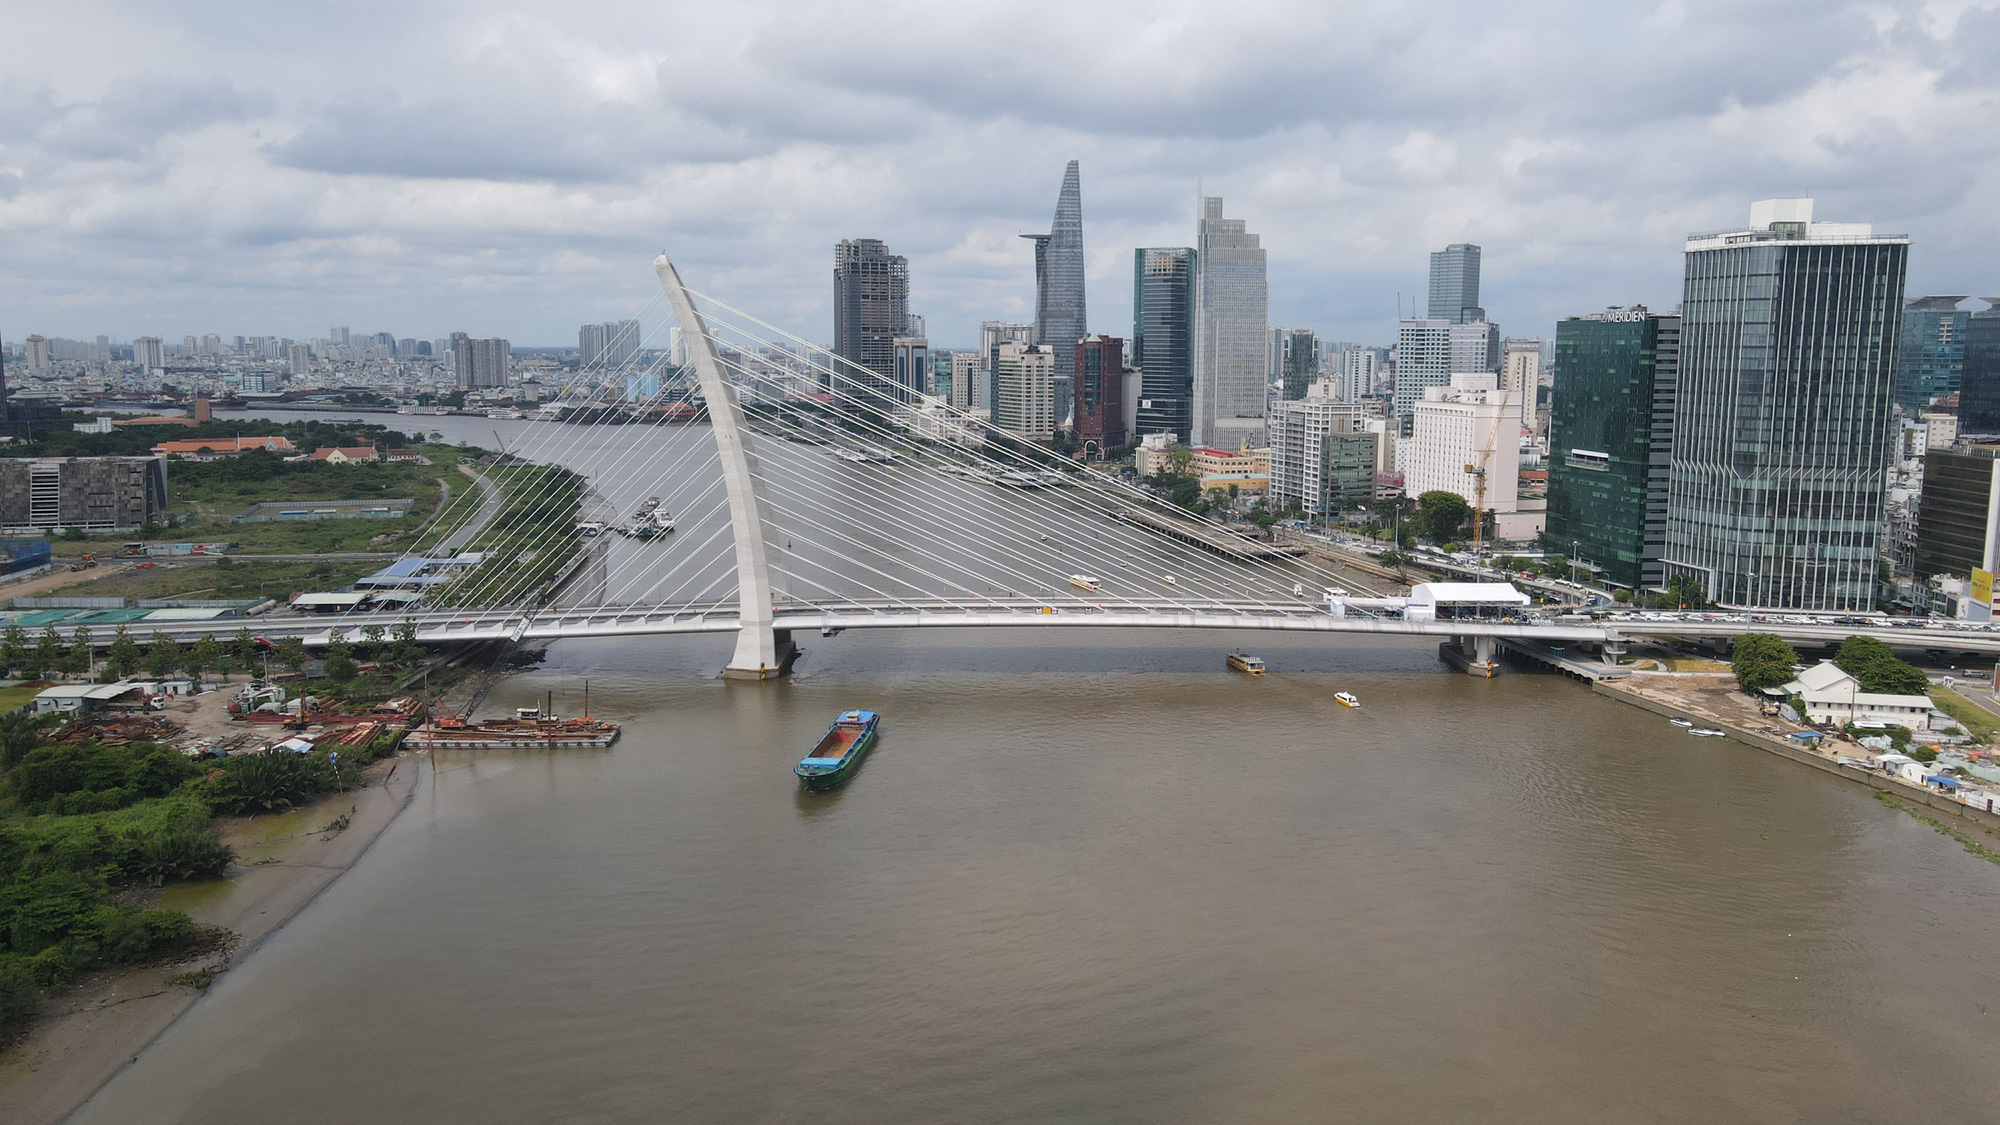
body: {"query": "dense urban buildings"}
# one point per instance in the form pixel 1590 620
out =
pixel 611 345
pixel 1163 338
pixel 1431 350
pixel 1322 457
pixel 480 363
pixel 992 334
pixel 1781 446
pixel 1231 323
pixel 1098 393
pixel 1610 434
pixel 871 308
pixel 1455 285
pixel 1460 434
pixel 1059 303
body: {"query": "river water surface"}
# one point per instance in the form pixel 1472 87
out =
pixel 1094 877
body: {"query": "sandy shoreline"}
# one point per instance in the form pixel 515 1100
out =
pixel 88 1034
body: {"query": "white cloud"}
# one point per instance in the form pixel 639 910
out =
pixel 512 166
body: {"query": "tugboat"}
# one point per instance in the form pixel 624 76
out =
pixel 1244 662
pixel 1347 699
pixel 839 752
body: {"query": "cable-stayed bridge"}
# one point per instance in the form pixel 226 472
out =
pixel 809 494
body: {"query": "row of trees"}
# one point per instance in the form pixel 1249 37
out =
pixel 51 653
pixel 1762 660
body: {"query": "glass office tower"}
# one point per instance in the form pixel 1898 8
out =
pixel 1163 337
pixel 1231 332
pixel 1931 360
pixel 1610 433
pixel 1781 448
pixel 1979 387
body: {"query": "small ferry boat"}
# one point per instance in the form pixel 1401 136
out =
pixel 1089 582
pixel 839 753
pixel 1244 662
pixel 1347 699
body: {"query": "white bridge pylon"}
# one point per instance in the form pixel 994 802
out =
pixel 762 651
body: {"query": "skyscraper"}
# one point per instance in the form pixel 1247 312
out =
pixel 1230 332
pixel 871 307
pixel 1025 406
pixel 1298 361
pixel 1430 351
pixel 1099 391
pixel 1163 338
pixel 1455 284
pixel 1059 305
pixel 911 369
pixel 1781 444
pixel 148 354
pixel 1610 433
pixel 1979 385
pixel 992 334
pixel 1931 360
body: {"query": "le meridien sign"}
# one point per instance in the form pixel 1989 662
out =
pixel 1621 316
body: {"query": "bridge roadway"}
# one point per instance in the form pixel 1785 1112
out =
pixel 449 626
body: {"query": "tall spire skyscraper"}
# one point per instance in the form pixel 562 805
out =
pixel 1059 313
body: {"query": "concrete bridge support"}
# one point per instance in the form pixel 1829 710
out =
pixel 762 652
pixel 1473 655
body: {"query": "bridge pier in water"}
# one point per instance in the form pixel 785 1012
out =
pixel 1473 655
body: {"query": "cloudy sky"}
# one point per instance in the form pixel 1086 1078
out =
pixel 510 168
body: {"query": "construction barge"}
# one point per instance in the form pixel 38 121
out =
pixel 531 728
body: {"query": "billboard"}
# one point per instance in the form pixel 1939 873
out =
pixel 1982 587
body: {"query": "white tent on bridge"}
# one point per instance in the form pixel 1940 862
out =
pixel 1453 601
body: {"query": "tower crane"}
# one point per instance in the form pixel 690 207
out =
pixel 1478 473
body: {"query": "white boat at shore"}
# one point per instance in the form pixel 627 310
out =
pixel 1708 732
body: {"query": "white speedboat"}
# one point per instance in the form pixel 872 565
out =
pixel 1347 699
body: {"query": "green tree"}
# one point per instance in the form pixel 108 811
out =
pixel 1879 669
pixel 408 651
pixel 1441 515
pixel 203 655
pixel 123 655
pixel 339 659
pixel 76 660
pixel 49 653
pixel 14 649
pixel 1762 660
pixel 372 636
pixel 244 649
pixel 291 653
pixel 162 656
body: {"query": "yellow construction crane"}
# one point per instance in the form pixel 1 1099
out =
pixel 1478 473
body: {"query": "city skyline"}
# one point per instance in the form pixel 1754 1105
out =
pixel 516 183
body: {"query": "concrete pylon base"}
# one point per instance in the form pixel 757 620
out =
pixel 784 654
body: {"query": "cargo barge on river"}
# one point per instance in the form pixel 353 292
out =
pixel 839 751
